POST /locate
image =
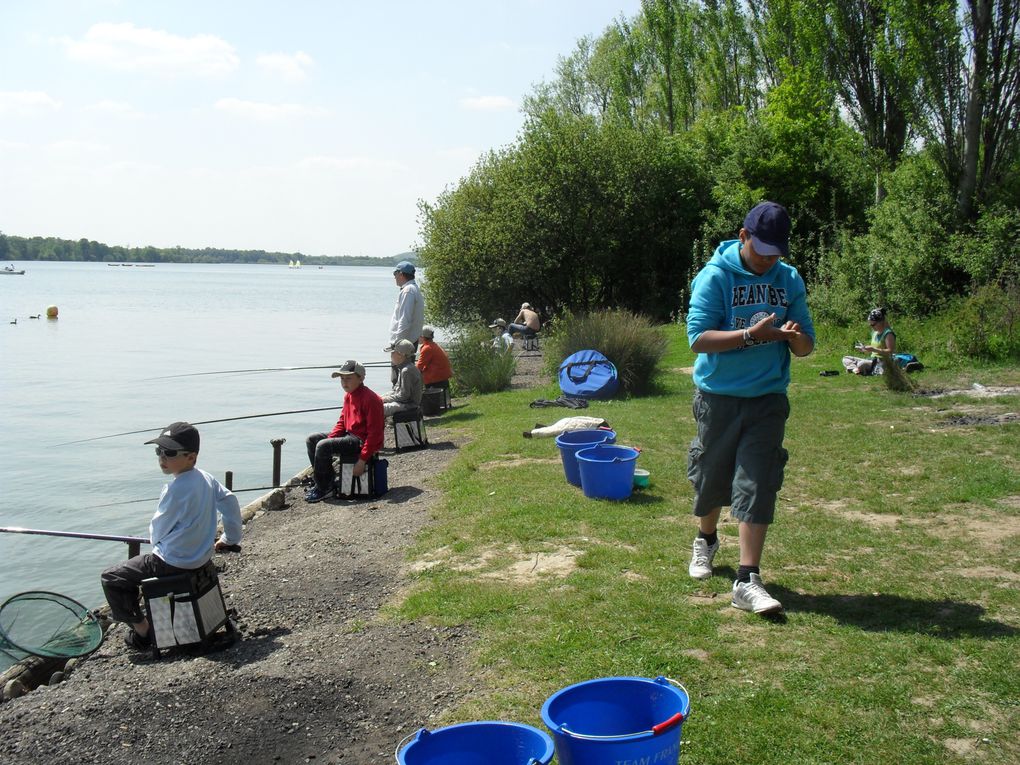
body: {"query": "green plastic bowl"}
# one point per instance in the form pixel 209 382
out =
pixel 641 478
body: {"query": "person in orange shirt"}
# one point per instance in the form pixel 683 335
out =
pixel 433 363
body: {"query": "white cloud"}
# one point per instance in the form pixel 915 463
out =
pixel 114 109
pixel 13 145
pixel 292 68
pixel 24 103
pixel 488 104
pixel 127 47
pixel 256 110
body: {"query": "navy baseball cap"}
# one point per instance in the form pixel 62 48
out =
pixel 182 436
pixel 404 267
pixel 768 224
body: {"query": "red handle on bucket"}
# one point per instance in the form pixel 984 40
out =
pixel 674 720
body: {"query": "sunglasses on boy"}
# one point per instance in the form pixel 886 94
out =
pixel 161 452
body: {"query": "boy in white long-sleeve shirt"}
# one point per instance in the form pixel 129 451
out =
pixel 182 532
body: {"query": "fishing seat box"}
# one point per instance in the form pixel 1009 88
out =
pixel 185 609
pixel 529 340
pixel 409 430
pixel 372 483
pixel 446 401
pixel 432 400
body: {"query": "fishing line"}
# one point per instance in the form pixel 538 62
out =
pixel 156 499
pixel 203 422
pixel 264 369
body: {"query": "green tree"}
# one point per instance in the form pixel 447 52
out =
pixel 798 152
pixel 969 98
pixel 730 61
pixel 578 215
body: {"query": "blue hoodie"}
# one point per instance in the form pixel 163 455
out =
pixel 725 295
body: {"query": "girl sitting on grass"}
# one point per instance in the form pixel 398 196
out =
pixel 882 346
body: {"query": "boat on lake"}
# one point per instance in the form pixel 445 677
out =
pixel 12 271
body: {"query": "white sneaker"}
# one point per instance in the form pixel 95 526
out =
pixel 752 596
pixel 701 559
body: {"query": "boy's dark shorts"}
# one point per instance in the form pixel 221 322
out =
pixel 737 457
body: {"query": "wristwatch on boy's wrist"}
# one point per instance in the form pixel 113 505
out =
pixel 748 340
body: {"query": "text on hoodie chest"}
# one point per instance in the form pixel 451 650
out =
pixel 759 294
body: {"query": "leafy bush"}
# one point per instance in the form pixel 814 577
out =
pixel 986 324
pixel 630 341
pixel 986 250
pixel 907 246
pixel 843 290
pixel 477 366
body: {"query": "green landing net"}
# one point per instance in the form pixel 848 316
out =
pixel 48 624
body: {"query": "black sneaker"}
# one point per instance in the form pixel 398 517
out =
pixel 138 642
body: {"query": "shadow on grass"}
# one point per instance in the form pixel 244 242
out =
pixel 947 619
pixel 447 418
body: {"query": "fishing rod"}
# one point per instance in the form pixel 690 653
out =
pixel 263 369
pixel 203 422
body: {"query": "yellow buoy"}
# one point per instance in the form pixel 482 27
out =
pixel 51 312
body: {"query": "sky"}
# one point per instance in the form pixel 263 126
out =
pixel 300 126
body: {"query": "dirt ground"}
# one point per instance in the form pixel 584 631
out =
pixel 318 674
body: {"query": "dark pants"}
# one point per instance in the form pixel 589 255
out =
pixel 524 329
pixel 122 584
pixel 737 456
pixel 322 449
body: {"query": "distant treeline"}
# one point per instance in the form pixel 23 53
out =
pixel 51 248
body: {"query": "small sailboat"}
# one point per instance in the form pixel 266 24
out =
pixel 295 264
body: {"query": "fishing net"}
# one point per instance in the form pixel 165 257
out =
pixel 48 624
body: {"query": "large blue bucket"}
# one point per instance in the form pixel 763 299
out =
pixel 607 471
pixel 477 743
pixel 573 440
pixel 618 719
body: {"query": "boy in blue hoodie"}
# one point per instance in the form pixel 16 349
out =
pixel 748 312
pixel 182 532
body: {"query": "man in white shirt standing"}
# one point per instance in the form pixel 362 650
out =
pixel 409 313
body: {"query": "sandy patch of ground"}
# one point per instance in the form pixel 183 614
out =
pixel 506 564
pixel 976 391
pixel 874 520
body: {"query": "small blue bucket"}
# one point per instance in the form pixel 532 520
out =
pixel 607 471
pixel 618 719
pixel 477 743
pixel 570 442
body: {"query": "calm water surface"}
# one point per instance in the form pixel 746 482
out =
pixel 107 366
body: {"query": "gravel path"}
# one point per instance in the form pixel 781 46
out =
pixel 318 675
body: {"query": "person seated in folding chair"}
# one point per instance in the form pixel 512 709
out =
pixel 433 363
pixel 182 532
pixel 358 433
pixel 408 385
pixel 527 321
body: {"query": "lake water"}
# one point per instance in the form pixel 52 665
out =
pixel 107 366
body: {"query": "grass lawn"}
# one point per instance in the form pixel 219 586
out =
pixel 896 552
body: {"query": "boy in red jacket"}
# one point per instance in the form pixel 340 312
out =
pixel 358 432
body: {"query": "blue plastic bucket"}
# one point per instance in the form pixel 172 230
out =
pixel 618 719
pixel 607 471
pixel 477 743
pixel 570 442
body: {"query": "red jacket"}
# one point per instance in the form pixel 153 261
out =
pixel 362 415
pixel 433 363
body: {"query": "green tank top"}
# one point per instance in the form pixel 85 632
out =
pixel 878 340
